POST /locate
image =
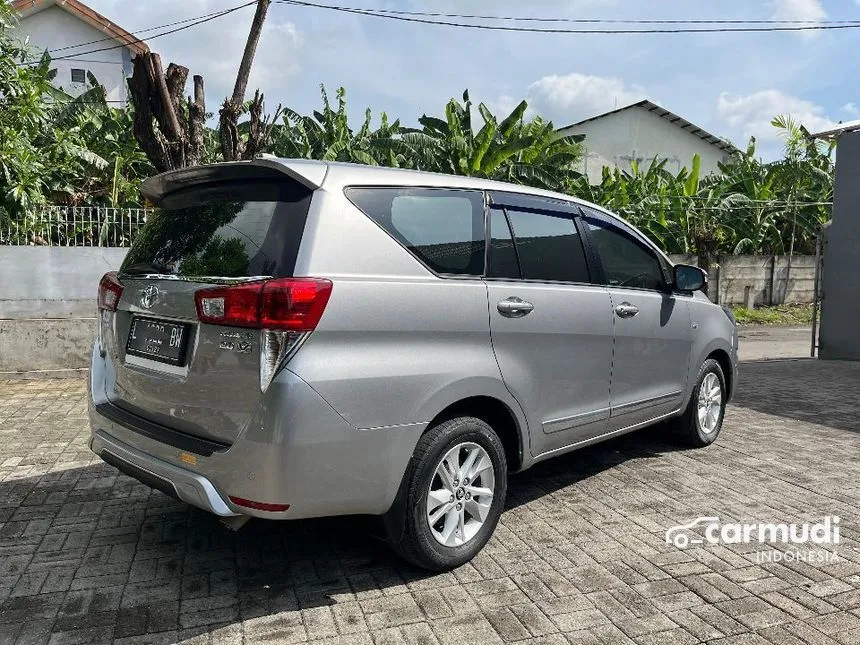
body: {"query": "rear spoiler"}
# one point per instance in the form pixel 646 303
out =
pixel 309 173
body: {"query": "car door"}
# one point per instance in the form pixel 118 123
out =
pixel 551 327
pixel 653 335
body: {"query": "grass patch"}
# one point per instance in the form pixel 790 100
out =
pixel 790 314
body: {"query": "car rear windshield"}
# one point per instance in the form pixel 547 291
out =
pixel 246 229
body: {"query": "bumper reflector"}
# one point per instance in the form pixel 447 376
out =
pixel 258 506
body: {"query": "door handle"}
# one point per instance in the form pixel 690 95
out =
pixel 514 307
pixel 626 310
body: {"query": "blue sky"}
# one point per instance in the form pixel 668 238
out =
pixel 728 84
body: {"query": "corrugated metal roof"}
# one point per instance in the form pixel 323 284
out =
pixel 842 128
pixel 671 117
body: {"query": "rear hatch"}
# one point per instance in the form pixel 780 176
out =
pixel 171 368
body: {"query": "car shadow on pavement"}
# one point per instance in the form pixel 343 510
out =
pixel 811 390
pixel 88 548
pixel 559 472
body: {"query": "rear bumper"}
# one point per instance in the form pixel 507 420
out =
pixel 183 484
pixel 295 449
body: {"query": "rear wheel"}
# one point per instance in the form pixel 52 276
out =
pixel 701 422
pixel 456 486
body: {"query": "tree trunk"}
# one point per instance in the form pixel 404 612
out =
pixel 196 123
pixel 170 135
pixel 170 129
pixel 151 141
pixel 706 250
pixel 232 146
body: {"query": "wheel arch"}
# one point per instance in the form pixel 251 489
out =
pixel 498 415
pixel 722 357
pixel 504 417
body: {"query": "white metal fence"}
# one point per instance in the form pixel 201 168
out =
pixel 73 226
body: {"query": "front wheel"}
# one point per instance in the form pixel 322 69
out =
pixel 702 420
pixel 457 481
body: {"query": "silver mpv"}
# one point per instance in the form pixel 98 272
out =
pixel 289 339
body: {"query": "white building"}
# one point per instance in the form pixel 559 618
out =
pixel 641 132
pixel 72 32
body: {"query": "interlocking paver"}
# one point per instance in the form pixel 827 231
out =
pixel 88 555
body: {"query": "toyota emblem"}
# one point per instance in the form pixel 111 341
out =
pixel 148 296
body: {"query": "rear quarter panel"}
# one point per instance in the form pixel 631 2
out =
pixel 396 344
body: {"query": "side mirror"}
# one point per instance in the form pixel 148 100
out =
pixel 689 278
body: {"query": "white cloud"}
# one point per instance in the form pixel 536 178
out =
pixel 852 108
pixel 806 10
pixel 750 115
pixel 570 98
pixel 275 59
pixel 504 105
pixel 803 10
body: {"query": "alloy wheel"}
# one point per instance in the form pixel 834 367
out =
pixel 460 494
pixel 710 403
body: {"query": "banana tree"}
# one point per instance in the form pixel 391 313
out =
pixel 510 149
pixel 327 135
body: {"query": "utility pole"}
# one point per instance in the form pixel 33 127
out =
pixel 232 146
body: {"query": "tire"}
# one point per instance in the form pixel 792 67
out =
pixel 691 428
pixel 454 440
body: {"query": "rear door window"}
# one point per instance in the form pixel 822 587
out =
pixel 443 228
pixel 248 229
pixel 502 259
pixel 548 246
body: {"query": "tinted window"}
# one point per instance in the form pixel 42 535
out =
pixel 548 247
pixel 240 230
pixel 79 76
pixel 502 261
pixel 626 262
pixel 442 228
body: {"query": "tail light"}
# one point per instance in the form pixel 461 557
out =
pixel 285 310
pixel 291 304
pixel 110 291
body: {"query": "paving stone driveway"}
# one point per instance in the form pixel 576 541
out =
pixel 579 557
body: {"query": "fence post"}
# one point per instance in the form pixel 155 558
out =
pixel 815 294
pixel 749 297
pixel 772 299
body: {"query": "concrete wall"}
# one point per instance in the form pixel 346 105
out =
pixel 53 281
pixel 840 308
pixel 768 275
pixel 45 345
pixel 54 28
pixel 48 305
pixel 639 134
